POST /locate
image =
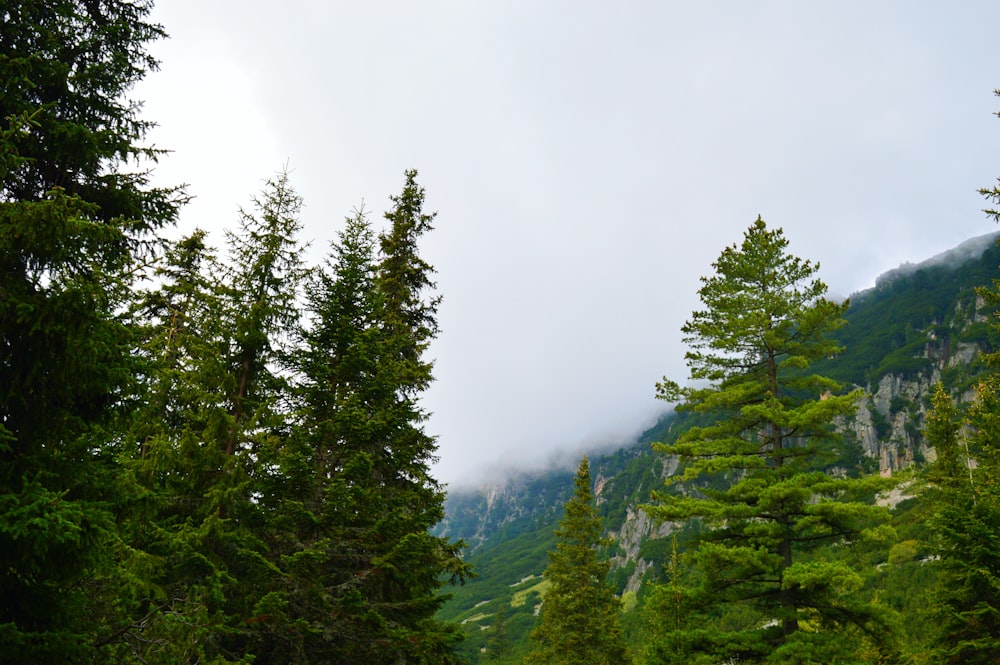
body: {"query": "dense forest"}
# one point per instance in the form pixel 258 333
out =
pixel 206 459
pixel 221 456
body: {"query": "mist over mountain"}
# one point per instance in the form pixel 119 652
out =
pixel 970 250
pixel 922 323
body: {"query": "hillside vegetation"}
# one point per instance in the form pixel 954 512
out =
pixel 918 325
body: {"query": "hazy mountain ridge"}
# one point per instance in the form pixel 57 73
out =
pixel 922 323
pixel 970 250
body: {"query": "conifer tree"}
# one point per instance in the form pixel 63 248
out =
pixel 580 620
pixel 410 565
pixel 322 497
pixel 497 644
pixel 965 523
pixel 261 314
pixel 361 571
pixel 174 575
pixel 264 279
pixel 992 194
pixel 76 218
pixel 213 413
pixel 755 475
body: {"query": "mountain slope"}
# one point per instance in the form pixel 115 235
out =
pixel 920 324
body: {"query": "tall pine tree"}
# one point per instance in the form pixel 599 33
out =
pixel 76 216
pixel 755 475
pixel 319 502
pixel 965 523
pixel 580 622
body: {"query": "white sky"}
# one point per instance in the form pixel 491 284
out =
pixel 588 161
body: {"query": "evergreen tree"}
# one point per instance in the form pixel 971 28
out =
pixel 409 565
pixel 75 220
pixel 175 573
pixel 764 496
pixel 580 620
pixel 497 644
pixel 670 610
pixel 360 570
pixel 212 416
pixel 965 522
pixel 264 280
pixel 322 521
pixel 992 194
pixel 261 314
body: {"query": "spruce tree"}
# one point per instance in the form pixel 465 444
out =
pixel 965 523
pixel 76 219
pixel 757 474
pixel 175 578
pixel 214 410
pixel 992 194
pixel 409 565
pixel 360 571
pixel 261 314
pixel 580 620
pixel 320 500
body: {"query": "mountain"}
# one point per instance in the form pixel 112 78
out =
pixel 921 323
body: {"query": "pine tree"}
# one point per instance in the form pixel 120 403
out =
pixel 965 523
pixel 76 219
pixel 261 313
pixel 264 280
pixel 321 525
pixel 580 621
pixel 497 644
pixel 991 296
pixel 213 413
pixel 755 476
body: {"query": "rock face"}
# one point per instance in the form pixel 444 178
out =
pixel 889 420
pixel 637 528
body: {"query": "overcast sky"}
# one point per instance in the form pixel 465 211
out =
pixel 588 161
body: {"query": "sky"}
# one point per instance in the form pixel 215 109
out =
pixel 588 161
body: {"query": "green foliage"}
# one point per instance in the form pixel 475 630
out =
pixel 900 593
pixel 966 518
pixel 579 620
pixel 75 222
pixel 966 528
pixel 768 506
pixel 993 194
pixel 889 325
pixel 346 496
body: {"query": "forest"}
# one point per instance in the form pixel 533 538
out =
pixel 205 459
pixel 222 457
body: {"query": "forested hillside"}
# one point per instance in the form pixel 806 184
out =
pixel 921 324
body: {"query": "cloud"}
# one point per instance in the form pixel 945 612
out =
pixel 588 162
